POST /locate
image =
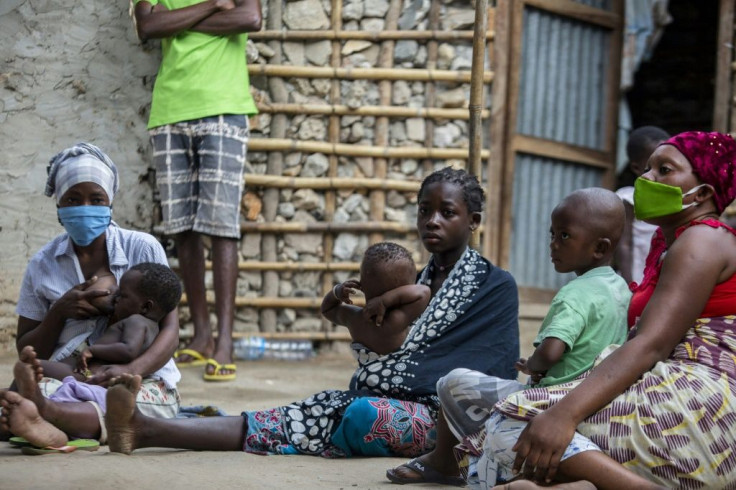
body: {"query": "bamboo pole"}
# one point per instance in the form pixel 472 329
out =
pixel 283 182
pixel 327 227
pixel 476 95
pixel 271 302
pixel 333 134
pixel 430 92
pixel 375 36
pixel 391 111
pixel 253 265
pixel 320 227
pixel 381 139
pixel 344 149
pixel 294 266
pixel 326 336
pixel 274 166
pixel 409 74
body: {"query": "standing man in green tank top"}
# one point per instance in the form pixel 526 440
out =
pixel 199 133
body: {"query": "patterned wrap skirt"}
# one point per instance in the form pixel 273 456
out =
pixel 675 426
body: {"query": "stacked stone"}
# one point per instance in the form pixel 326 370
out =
pixel 306 205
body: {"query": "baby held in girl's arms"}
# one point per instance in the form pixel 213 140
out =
pixel 147 292
pixel 392 299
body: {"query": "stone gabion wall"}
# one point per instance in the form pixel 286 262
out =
pixel 77 72
pixel 306 205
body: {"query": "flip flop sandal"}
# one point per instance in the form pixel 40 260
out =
pixel 81 444
pixel 19 442
pixel 198 360
pixel 217 374
pixel 427 475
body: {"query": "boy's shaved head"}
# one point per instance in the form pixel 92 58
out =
pixel 599 210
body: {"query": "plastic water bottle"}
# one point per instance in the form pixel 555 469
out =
pixel 249 348
pixel 255 347
pixel 288 350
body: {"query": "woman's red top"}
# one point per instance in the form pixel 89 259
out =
pixel 722 299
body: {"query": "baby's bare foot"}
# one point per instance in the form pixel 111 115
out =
pixel 21 417
pixel 122 415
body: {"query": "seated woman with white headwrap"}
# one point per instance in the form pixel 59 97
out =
pixel 57 309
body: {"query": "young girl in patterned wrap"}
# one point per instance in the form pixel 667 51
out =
pixel 391 403
pixel 660 409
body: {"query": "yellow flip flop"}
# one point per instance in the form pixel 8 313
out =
pixel 217 374
pixel 198 359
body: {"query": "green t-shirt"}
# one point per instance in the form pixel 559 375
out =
pixel 587 314
pixel 200 75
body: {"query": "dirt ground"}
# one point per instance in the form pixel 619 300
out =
pixel 260 384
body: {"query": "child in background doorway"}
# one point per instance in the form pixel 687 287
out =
pixel 392 299
pixel 634 247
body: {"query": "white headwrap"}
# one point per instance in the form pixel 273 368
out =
pixel 82 162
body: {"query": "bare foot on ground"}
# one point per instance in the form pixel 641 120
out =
pixel 530 485
pixel 21 417
pixel 122 415
pixel 28 372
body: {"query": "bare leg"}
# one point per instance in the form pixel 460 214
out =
pixel 441 458
pixel 225 275
pixel 530 485
pixel 191 256
pixel 128 429
pixel 602 471
pixel 59 370
pixel 20 416
pixel 76 419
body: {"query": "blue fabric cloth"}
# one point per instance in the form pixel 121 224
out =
pixel 471 322
pixel 395 427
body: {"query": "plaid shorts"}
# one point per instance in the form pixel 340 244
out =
pixel 199 173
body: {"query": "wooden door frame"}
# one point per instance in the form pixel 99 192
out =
pixel 506 142
pixel 722 103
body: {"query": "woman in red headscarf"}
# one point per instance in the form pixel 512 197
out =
pixel 660 410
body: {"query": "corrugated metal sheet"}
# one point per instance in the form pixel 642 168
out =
pixel 562 89
pixel 539 185
pixel 562 98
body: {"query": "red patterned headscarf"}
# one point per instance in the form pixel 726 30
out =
pixel 713 158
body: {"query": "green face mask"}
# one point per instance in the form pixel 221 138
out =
pixel 652 199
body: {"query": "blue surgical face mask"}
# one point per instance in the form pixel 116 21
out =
pixel 84 223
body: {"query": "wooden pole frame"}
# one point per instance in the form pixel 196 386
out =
pixel 375 36
pixel 381 74
pixel 379 183
pixel 476 95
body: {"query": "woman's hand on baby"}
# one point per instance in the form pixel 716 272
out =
pixel 374 311
pixel 75 303
pixel 541 445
